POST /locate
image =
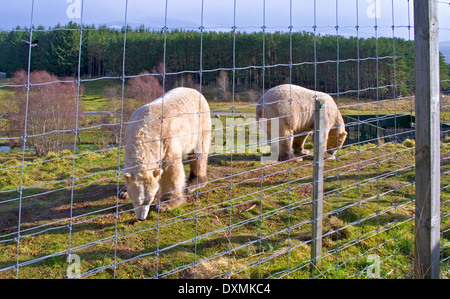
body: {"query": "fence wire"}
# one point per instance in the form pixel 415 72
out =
pixel 62 213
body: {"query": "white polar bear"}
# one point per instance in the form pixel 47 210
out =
pixel 293 106
pixel 156 138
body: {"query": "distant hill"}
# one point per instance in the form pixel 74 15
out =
pixel 444 47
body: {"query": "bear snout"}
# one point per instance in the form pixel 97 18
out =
pixel 142 212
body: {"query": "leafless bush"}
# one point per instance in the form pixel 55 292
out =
pixel 139 91
pixel 222 83
pixel 50 114
pixel 142 90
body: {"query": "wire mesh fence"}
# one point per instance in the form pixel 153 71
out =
pixel 74 135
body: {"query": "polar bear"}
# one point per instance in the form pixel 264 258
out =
pixel 298 119
pixel 156 138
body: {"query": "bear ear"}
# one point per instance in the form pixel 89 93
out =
pixel 127 177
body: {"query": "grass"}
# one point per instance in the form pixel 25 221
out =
pixel 5 95
pixel 252 220
pixel 94 99
pixel 238 222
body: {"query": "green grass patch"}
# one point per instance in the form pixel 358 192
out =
pixel 253 220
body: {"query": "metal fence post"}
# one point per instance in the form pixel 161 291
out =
pixel 316 247
pixel 427 170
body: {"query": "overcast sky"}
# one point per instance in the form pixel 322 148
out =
pixel 250 15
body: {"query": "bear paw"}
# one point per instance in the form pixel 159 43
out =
pixel 192 185
pixel 170 204
pixel 290 157
pixel 123 194
pixel 305 152
pixel 328 157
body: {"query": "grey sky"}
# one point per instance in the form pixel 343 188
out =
pixel 219 15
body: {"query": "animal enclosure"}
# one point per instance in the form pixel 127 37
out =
pixel 70 91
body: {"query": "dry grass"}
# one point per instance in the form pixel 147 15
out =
pixel 237 225
pixel 250 221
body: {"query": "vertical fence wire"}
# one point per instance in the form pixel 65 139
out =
pixel 367 196
pixel 160 166
pixel 121 128
pixel 289 195
pixel 230 205
pixel 76 132
pixel 24 138
pixel 263 71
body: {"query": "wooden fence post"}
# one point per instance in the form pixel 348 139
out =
pixel 319 123
pixel 427 204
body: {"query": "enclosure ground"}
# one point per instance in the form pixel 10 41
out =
pixel 250 221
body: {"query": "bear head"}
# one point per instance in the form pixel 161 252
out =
pixel 142 188
pixel 336 139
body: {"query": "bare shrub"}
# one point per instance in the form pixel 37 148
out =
pixel 50 114
pixel 184 80
pixel 139 91
pixel 222 82
pixel 143 89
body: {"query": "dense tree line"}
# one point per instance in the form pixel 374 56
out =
pixel 342 63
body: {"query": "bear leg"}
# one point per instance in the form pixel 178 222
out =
pixel 170 202
pixel 326 155
pixel 197 176
pixel 299 144
pixel 286 150
pixel 172 186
